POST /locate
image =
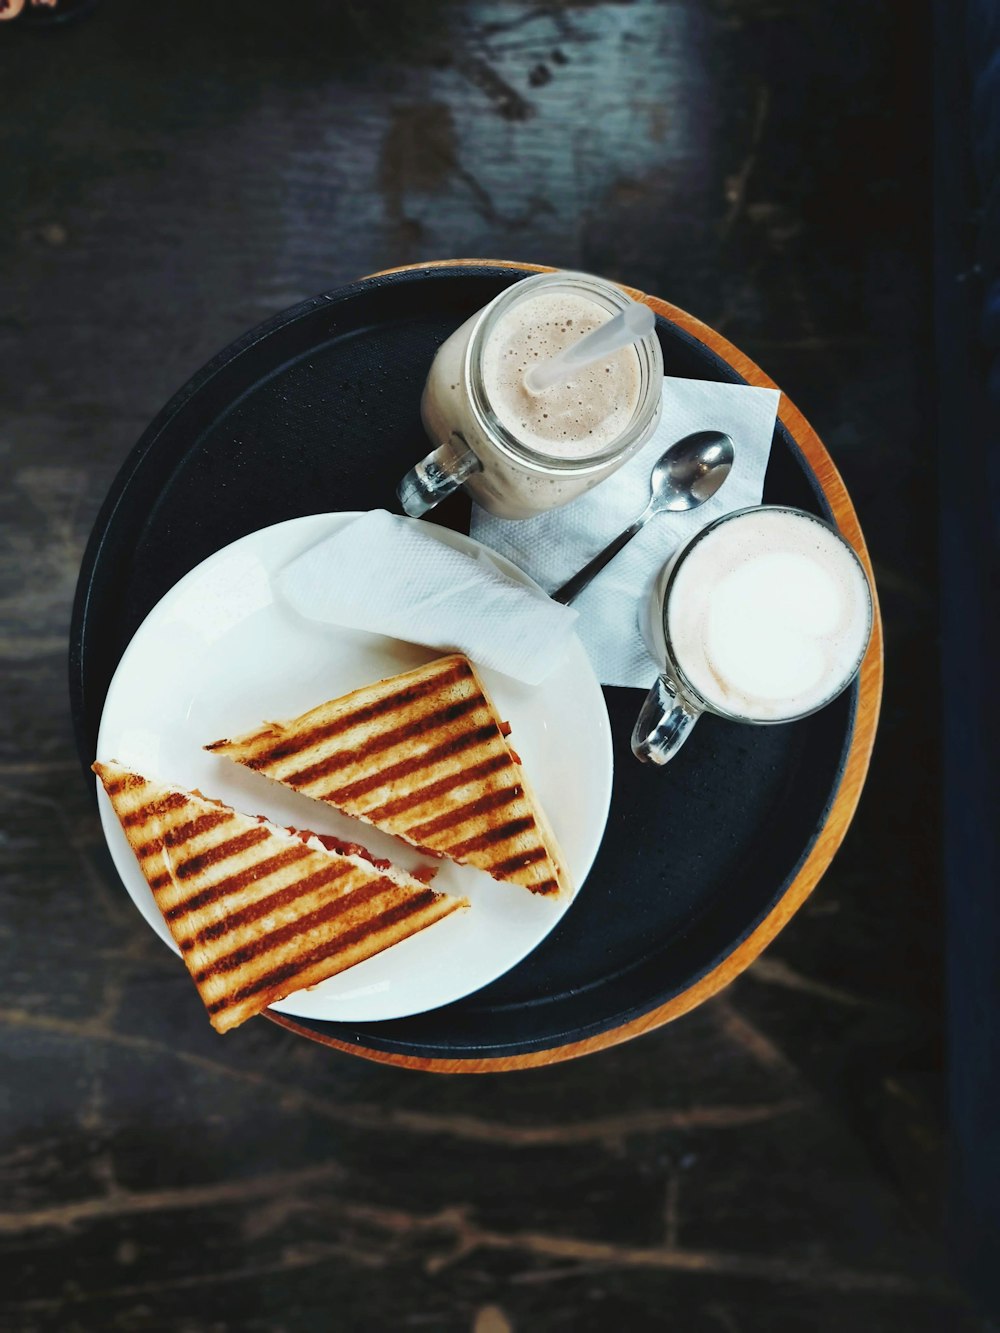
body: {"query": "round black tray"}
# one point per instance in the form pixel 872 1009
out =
pixel 317 410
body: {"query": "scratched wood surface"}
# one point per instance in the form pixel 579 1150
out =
pixel 169 176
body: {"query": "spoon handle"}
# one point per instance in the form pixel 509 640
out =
pixel 579 581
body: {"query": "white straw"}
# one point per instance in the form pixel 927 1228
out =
pixel 633 324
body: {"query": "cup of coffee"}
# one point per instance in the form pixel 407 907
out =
pixel 763 617
pixel 519 453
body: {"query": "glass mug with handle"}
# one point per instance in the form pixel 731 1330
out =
pixel 520 453
pixel 764 616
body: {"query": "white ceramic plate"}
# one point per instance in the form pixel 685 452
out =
pixel 219 654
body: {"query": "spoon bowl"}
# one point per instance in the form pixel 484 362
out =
pixel 691 471
pixel 683 477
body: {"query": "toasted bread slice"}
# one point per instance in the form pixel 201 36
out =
pixel 259 911
pixel 423 756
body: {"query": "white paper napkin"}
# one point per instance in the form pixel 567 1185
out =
pixel 553 546
pixel 392 575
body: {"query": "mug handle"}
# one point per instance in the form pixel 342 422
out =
pixel 664 723
pixel 436 476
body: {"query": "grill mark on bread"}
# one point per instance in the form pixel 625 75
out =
pixel 240 880
pixel 519 862
pixel 328 949
pixel 222 852
pixel 435 789
pixel 378 709
pixel 502 833
pixel 494 800
pixel 406 767
pixel 388 740
pixel 274 940
pixel 547 886
pixel 175 800
pixel 244 916
pixel 113 786
pixel 177 837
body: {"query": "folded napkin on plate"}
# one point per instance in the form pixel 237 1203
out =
pixel 553 546
pixel 392 575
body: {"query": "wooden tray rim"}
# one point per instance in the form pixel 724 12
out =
pixel 842 807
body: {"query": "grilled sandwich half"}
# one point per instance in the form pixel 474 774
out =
pixel 423 756
pixel 260 911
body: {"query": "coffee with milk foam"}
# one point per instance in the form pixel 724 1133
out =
pixel 768 615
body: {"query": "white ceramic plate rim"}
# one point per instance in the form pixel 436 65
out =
pixel 411 977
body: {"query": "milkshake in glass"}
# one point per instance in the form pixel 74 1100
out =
pixel 519 453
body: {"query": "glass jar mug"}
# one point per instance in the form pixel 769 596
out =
pixel 520 453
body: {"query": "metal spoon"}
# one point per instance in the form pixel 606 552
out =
pixel 685 476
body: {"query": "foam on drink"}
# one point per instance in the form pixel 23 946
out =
pixel 769 615
pixel 574 419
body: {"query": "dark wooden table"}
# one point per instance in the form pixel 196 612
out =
pixel 171 175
